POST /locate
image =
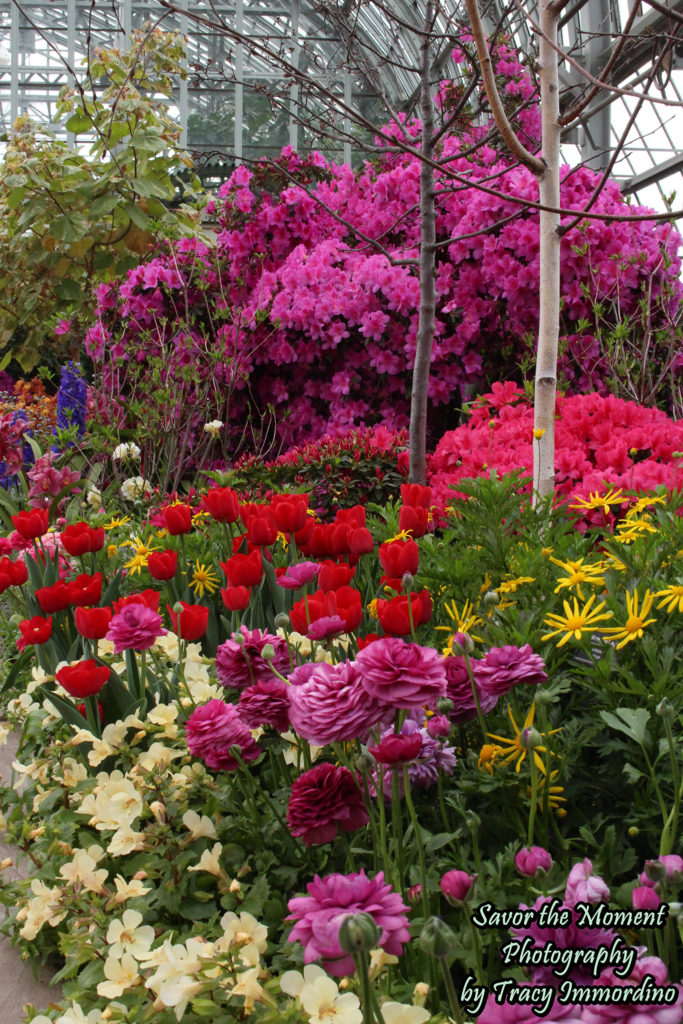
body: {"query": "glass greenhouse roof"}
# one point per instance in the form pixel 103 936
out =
pixel 244 96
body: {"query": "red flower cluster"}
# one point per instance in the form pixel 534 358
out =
pixel 83 591
pixel 12 574
pixel 77 538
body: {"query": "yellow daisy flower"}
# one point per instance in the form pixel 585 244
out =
pixel 578 573
pixel 576 622
pixel 203 579
pixel 636 620
pixel 603 501
pixel 115 523
pixel 672 598
pixel 516 749
pixel 139 560
pixel 463 621
pixel 510 586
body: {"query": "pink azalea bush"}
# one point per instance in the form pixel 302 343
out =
pixel 598 440
pixel 321 330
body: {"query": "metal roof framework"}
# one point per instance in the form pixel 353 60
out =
pixel 242 101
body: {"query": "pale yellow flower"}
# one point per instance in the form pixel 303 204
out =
pixel 128 890
pixel 210 861
pixel 400 1013
pixel 114 804
pixel 125 841
pixel 128 935
pixel 244 933
pixel 120 975
pixel 82 871
pixel 199 826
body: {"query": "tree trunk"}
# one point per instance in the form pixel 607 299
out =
pixel 549 277
pixel 427 313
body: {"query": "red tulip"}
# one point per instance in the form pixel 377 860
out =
pixel 289 511
pixel 399 556
pixel 222 504
pixel 34 631
pixel 333 575
pixel 162 565
pixel 31 524
pixel 77 538
pixel 93 623
pixel 177 519
pixel 12 574
pixel 192 621
pixel 413 520
pixel 148 597
pixel 354 516
pixel 261 530
pixel 244 570
pixel 236 599
pixel 85 589
pixel 360 541
pixel 416 496
pixel 55 598
pixel 84 679
pixel 394 616
pixel 344 602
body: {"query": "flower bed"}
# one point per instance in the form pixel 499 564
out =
pixel 339 785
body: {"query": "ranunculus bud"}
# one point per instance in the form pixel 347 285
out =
pixel 665 708
pixel 542 697
pixel 414 894
pixel 358 933
pixel 444 705
pixel 455 885
pixel 530 738
pixel 436 938
pixel 491 598
pixel 645 898
pixel 438 727
pixel 268 652
pixel 282 621
pixel 530 860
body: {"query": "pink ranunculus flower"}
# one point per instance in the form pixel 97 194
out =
pixel 265 703
pixel 505 667
pixel 136 627
pixel 239 662
pixel 212 729
pixel 319 915
pixel 323 801
pixel 569 936
pixel 532 859
pixel 402 675
pixel 298 575
pixel 329 704
pixel 644 897
pixel 583 886
pixel 515 1013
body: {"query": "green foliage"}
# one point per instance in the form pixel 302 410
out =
pixel 71 219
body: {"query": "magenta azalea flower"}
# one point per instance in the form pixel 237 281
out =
pixel 136 627
pixel 331 899
pixel 402 675
pixel 330 705
pixel 323 801
pixel 212 729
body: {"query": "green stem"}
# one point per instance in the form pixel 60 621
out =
pixel 480 715
pixel 359 960
pixel 476 944
pixel 670 830
pixel 397 828
pixel 453 1000
pixel 533 772
pixel 420 847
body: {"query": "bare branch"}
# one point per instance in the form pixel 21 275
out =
pixel 520 152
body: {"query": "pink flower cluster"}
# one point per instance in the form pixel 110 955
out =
pixel 599 441
pixel 324 329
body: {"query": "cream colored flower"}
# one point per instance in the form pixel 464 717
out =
pixel 175 980
pixel 75 1015
pixel 158 756
pixel 114 804
pixel 82 871
pixel 43 908
pixel 120 974
pixel 135 488
pixel 199 826
pixel 202 690
pixel 94 497
pixel 292 982
pixel 248 987
pixel 321 1000
pixel 291 754
pixel 165 715
pixel 245 934
pixel 213 429
pixel 125 841
pixel 379 960
pixel 129 890
pixel 399 1013
pixel 129 935
pixel 126 452
pixel 210 861
pixel 73 772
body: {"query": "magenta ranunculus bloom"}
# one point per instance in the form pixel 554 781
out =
pixel 402 675
pixel 212 729
pixel 135 628
pixel 455 885
pixel 459 690
pixel 265 703
pixel 583 886
pixel 323 801
pixel 532 859
pixel 636 1013
pixel 239 662
pixel 505 667
pixel 644 897
pixel 298 575
pixel 319 916
pixel 330 704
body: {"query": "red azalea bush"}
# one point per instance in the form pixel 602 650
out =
pixel 598 440
pixel 299 325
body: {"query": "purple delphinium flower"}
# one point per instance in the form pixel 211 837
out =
pixel 71 401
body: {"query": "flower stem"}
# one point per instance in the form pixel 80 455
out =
pixel 418 838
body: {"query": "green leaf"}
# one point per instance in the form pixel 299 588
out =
pixel 79 123
pixel 631 721
pixel 69 227
pixel 138 216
